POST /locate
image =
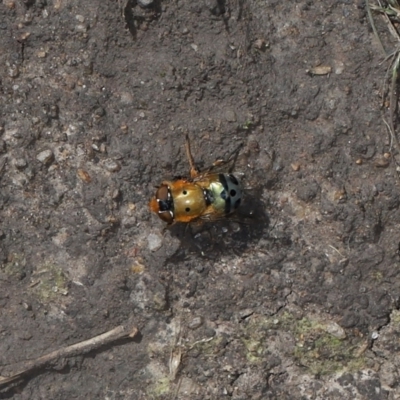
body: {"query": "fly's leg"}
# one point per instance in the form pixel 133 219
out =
pixel 193 170
pixel 232 158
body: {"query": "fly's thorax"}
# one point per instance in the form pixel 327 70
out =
pixel 189 201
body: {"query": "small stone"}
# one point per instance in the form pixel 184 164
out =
pixel 195 323
pixel 45 157
pixel 115 194
pixel 145 3
pixel 81 28
pixel 374 335
pixel 10 4
pixel 24 36
pixel 100 112
pixel 230 116
pixel 159 301
pixel 80 18
pixel 260 44
pixel 129 222
pixel 320 70
pixel 335 330
pixel 112 166
pixel 20 163
pixel 307 192
pixel 295 166
pixel 382 162
pixel 339 68
pixel 13 71
pixel 154 241
pixel 126 98
pixel 83 175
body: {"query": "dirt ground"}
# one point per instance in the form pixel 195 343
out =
pixel 296 297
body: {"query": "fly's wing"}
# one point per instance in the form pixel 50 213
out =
pixel 222 165
pixel 218 166
pixel 210 214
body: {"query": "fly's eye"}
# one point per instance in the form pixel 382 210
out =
pixel 167 216
pixel 162 193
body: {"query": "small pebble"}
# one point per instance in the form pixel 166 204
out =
pixel 45 156
pixel 24 36
pixel 83 175
pixel 295 166
pixel 81 28
pixel 374 335
pixel 13 71
pixel 382 162
pixel 126 98
pixel 320 70
pixel 335 330
pixel 10 4
pixel 112 166
pixel 154 241
pixel 145 3
pixel 340 195
pixel 195 323
pixel 20 163
pixel 230 116
pixel 115 194
pixel 260 44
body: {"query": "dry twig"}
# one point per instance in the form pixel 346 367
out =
pixel 80 348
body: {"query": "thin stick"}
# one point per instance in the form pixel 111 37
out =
pixel 80 348
pixel 371 21
pixel 392 92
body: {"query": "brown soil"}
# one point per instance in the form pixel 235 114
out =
pixel 294 298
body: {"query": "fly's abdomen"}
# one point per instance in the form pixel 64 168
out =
pixel 225 194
